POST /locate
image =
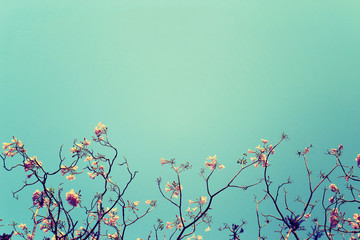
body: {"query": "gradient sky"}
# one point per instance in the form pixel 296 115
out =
pixel 180 79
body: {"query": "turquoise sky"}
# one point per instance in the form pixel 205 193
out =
pixel 180 79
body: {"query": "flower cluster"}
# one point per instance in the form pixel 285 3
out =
pixel 31 163
pixel 132 205
pixel 336 151
pixel 79 147
pixel 111 220
pixel 39 199
pixel 177 223
pixel 14 147
pixel 72 170
pixel 194 237
pixel 212 165
pixel 334 217
pixel 334 188
pixel 201 201
pixel 175 188
pixel 261 154
pixel 45 225
pixel 357 159
pixel 96 169
pixel 72 198
pixel 100 129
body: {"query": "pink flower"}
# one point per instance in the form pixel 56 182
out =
pixel 264 141
pixel 333 188
pixel 221 166
pixel 111 221
pixel 22 226
pixel 86 142
pixel 306 150
pixel 170 225
pixel 307 216
pixel 92 175
pixel 357 159
pixel 70 177
pixel 251 151
pixel 72 198
pixel 332 200
pixel 334 217
pixel 271 149
pixel 333 151
pixel 356 217
pixel 74 150
pixel 212 164
pixel 38 198
pixel 164 161
pixel 100 129
pixel 202 200
pixel 340 147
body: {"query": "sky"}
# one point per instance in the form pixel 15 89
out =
pixel 184 80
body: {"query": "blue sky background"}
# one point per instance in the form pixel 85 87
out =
pixel 185 80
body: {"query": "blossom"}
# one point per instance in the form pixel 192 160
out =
pixel 111 220
pixel 260 149
pixel 86 142
pixel 112 236
pixel 202 200
pixel 211 164
pixel 22 226
pixel 31 163
pixel 148 202
pixel 191 202
pixel 251 151
pixel 170 225
pixel 13 148
pixel 264 141
pixel 38 198
pixel 136 203
pixel 207 229
pixel 164 161
pixel 70 177
pixel 334 217
pixel 333 151
pixel 357 159
pixel 45 225
pixel 100 129
pixel 333 188
pixel 174 187
pixel 306 150
pixel 74 150
pixel 72 198
pixel 221 166
pixel 307 216
pixel 88 158
pixel 356 217
pixel 332 200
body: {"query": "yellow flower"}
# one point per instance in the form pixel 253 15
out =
pixel 70 177
pixel 22 226
pixel 202 200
